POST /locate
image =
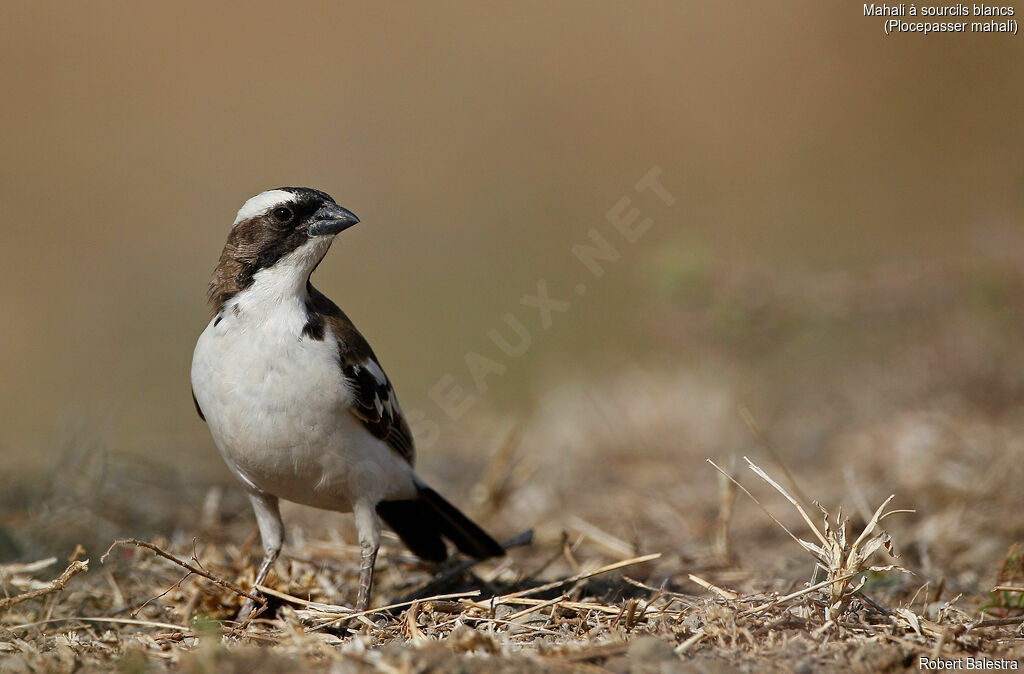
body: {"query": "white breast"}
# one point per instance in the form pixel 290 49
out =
pixel 277 406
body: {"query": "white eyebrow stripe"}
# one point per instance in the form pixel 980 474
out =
pixel 262 203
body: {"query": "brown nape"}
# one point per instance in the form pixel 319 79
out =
pixel 252 245
pixel 240 252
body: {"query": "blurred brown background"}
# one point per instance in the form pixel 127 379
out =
pixel 478 143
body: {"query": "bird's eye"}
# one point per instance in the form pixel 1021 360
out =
pixel 282 214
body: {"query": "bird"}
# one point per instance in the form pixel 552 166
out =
pixel 297 402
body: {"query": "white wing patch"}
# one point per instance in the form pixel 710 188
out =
pixel 374 403
pixel 262 203
pixel 383 385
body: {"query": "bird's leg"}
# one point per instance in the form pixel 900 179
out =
pixel 368 529
pixel 366 560
pixel 268 518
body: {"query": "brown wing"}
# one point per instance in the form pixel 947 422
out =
pixel 374 401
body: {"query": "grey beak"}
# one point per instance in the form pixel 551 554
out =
pixel 331 219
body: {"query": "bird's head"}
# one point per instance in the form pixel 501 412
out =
pixel 280 235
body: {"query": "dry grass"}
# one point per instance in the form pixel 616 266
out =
pixel 641 560
pixel 141 608
pixel 843 562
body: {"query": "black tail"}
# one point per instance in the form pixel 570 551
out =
pixel 421 522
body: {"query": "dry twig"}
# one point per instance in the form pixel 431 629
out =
pixel 56 585
pixel 226 584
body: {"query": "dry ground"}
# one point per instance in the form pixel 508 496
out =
pixel 903 380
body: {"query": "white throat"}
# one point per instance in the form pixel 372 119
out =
pixel 283 285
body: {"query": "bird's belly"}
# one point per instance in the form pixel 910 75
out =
pixel 278 412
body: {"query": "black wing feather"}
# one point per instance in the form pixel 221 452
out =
pixel 375 404
pixel 196 403
pixel 374 401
